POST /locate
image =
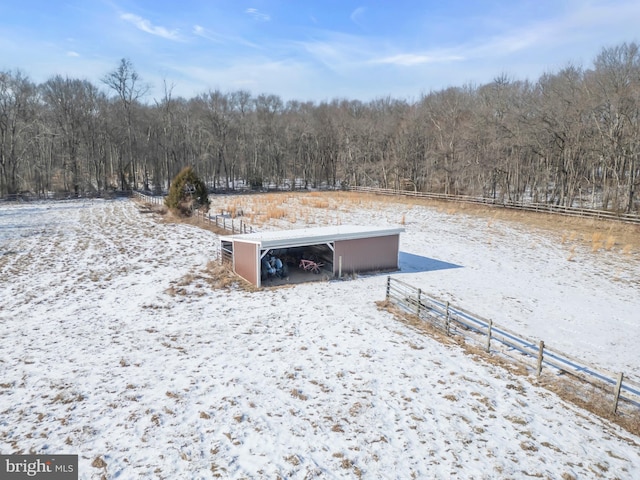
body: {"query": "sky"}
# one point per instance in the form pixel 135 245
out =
pixel 310 50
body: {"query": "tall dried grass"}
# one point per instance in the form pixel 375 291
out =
pixel 596 241
pixel 302 207
pixel 610 242
pixel 275 212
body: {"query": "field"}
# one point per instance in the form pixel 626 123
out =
pixel 119 345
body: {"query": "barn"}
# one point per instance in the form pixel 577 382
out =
pixel 307 253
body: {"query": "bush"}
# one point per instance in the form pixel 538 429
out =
pixel 187 193
pixel 255 180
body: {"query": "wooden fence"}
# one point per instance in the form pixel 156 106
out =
pixel 532 207
pixel 225 220
pixel 154 200
pixel 32 197
pixel 456 321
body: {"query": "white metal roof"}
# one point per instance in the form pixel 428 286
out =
pixel 311 236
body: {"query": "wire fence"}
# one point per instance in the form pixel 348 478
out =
pixel 526 206
pixel 494 339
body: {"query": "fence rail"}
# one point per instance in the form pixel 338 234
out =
pixel 33 197
pixel 456 321
pixel 155 200
pixel 532 207
pixel 225 220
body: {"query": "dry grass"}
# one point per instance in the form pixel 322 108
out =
pixel 606 234
pixel 596 241
pixel 275 212
pixel 295 393
pixel 215 275
pixel 219 276
pixel 259 209
pixel 99 462
pixel 610 242
pixel 596 235
pixel 591 398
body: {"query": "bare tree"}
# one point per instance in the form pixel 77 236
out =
pixel 129 89
pixel 17 117
pixel 614 86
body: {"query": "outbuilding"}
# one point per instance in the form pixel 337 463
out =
pixel 307 252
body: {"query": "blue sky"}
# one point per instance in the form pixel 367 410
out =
pixel 310 50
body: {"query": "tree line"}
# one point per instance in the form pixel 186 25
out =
pixel 570 137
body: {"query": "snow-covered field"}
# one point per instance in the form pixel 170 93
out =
pixel 114 347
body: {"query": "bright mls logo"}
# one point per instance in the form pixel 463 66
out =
pixel 49 467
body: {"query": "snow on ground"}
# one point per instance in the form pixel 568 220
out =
pixel 100 357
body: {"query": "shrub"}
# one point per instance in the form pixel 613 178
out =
pixel 187 192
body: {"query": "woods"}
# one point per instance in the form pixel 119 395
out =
pixel 570 137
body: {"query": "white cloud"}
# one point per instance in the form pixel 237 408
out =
pixel 356 14
pixel 257 15
pixel 288 79
pixel 146 26
pixel 202 32
pixel 73 54
pixel 568 31
pixel 411 59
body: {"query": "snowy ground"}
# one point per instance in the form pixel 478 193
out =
pixel 100 357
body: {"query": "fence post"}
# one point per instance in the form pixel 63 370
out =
pixel 616 393
pixel 540 356
pixel 489 336
pixel 447 319
pixel 388 287
pixel 419 302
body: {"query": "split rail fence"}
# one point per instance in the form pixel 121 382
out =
pixel 456 321
pixel 532 207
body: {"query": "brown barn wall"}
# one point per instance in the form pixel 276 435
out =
pixel 367 254
pixel 245 257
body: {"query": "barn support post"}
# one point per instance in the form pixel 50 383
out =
pixel 489 336
pixel 616 393
pixel 340 266
pixel 540 357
